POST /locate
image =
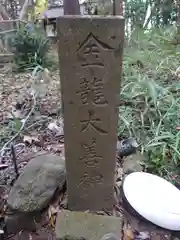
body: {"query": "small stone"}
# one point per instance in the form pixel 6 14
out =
pixel 132 163
pixel 127 147
pixel 36 185
pixel 87 226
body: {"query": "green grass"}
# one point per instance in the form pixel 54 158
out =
pixel 151 99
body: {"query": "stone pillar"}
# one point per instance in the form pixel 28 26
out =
pixel 90 58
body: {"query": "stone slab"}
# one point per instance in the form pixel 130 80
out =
pixel 90 57
pixel 83 225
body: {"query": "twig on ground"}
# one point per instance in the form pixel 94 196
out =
pixel 16 148
pixel 14 159
pixel 19 151
pixel 20 130
pixel 45 119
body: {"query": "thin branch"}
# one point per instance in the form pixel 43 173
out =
pixel 24 10
pixel 14 159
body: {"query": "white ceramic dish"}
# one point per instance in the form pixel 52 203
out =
pixel 154 198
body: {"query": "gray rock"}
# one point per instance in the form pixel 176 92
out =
pixel 36 185
pixel 127 147
pixel 132 163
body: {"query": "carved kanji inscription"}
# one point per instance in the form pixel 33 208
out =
pixel 92 91
pixel 89 155
pixel 89 52
pixel 92 122
pixel 90 59
pixel 88 181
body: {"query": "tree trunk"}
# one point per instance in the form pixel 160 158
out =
pixel 21 3
pixel 71 7
pixel 148 20
pixel 178 14
pixel 157 4
pixel 24 10
pixel 13 9
pixel 118 7
pixel 114 7
pixel 121 8
pixel 3 13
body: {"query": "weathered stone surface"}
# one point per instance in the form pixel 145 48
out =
pixel 132 163
pixel 86 225
pixel 90 53
pixel 37 184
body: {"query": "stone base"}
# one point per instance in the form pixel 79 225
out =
pixel 83 225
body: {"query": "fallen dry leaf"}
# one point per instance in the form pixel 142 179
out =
pixel 56 148
pixel 55 128
pixel 128 234
pixel 52 212
pixel 15 114
pixel 3 166
pixel 30 139
pixel 143 235
pixel 119 174
pixel 46 76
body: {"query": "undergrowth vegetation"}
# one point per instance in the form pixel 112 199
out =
pixel 150 92
pixel 30 47
pixel 150 99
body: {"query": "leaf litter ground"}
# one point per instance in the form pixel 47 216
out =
pixel 42 134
